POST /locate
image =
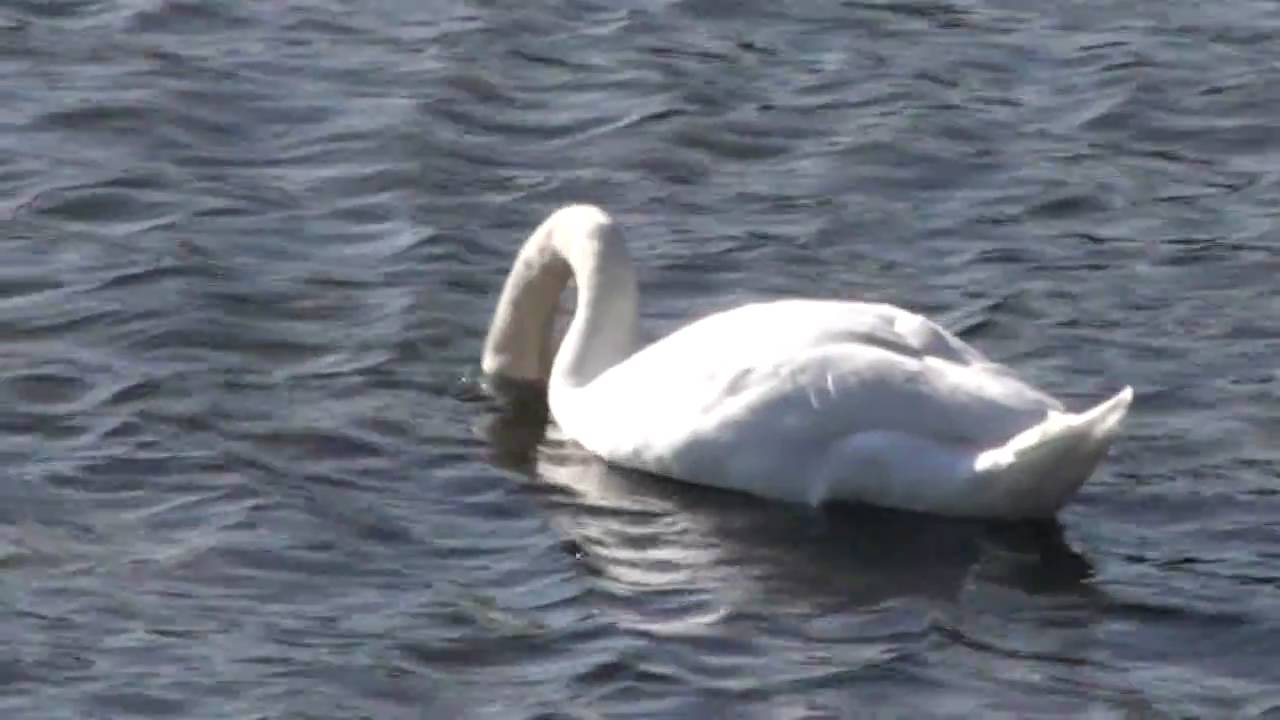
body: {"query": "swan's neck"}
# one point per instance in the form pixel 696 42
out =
pixel 583 241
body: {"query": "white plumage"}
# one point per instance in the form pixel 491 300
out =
pixel 798 400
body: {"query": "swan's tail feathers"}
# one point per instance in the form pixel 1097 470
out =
pixel 1041 468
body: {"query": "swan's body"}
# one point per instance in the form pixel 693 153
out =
pixel 798 400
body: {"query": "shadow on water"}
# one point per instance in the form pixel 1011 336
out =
pixel 645 530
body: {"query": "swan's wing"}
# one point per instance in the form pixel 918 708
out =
pixel 789 326
pixel 772 386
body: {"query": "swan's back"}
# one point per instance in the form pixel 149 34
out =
pixel 793 324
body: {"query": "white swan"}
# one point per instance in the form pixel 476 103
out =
pixel 798 400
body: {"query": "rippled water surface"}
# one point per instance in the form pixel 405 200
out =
pixel 248 251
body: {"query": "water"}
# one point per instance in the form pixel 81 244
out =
pixel 248 254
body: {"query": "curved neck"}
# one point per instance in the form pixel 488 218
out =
pixel 581 240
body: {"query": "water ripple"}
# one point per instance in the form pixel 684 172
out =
pixel 249 253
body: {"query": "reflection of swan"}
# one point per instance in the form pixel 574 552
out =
pixel 800 400
pixel 644 536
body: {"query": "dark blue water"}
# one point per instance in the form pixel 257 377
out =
pixel 248 252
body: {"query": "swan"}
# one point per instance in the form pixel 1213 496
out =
pixel 797 400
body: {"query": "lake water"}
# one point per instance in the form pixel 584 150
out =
pixel 248 252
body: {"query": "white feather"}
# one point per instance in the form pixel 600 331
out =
pixel 798 400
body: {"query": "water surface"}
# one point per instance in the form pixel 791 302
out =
pixel 247 258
